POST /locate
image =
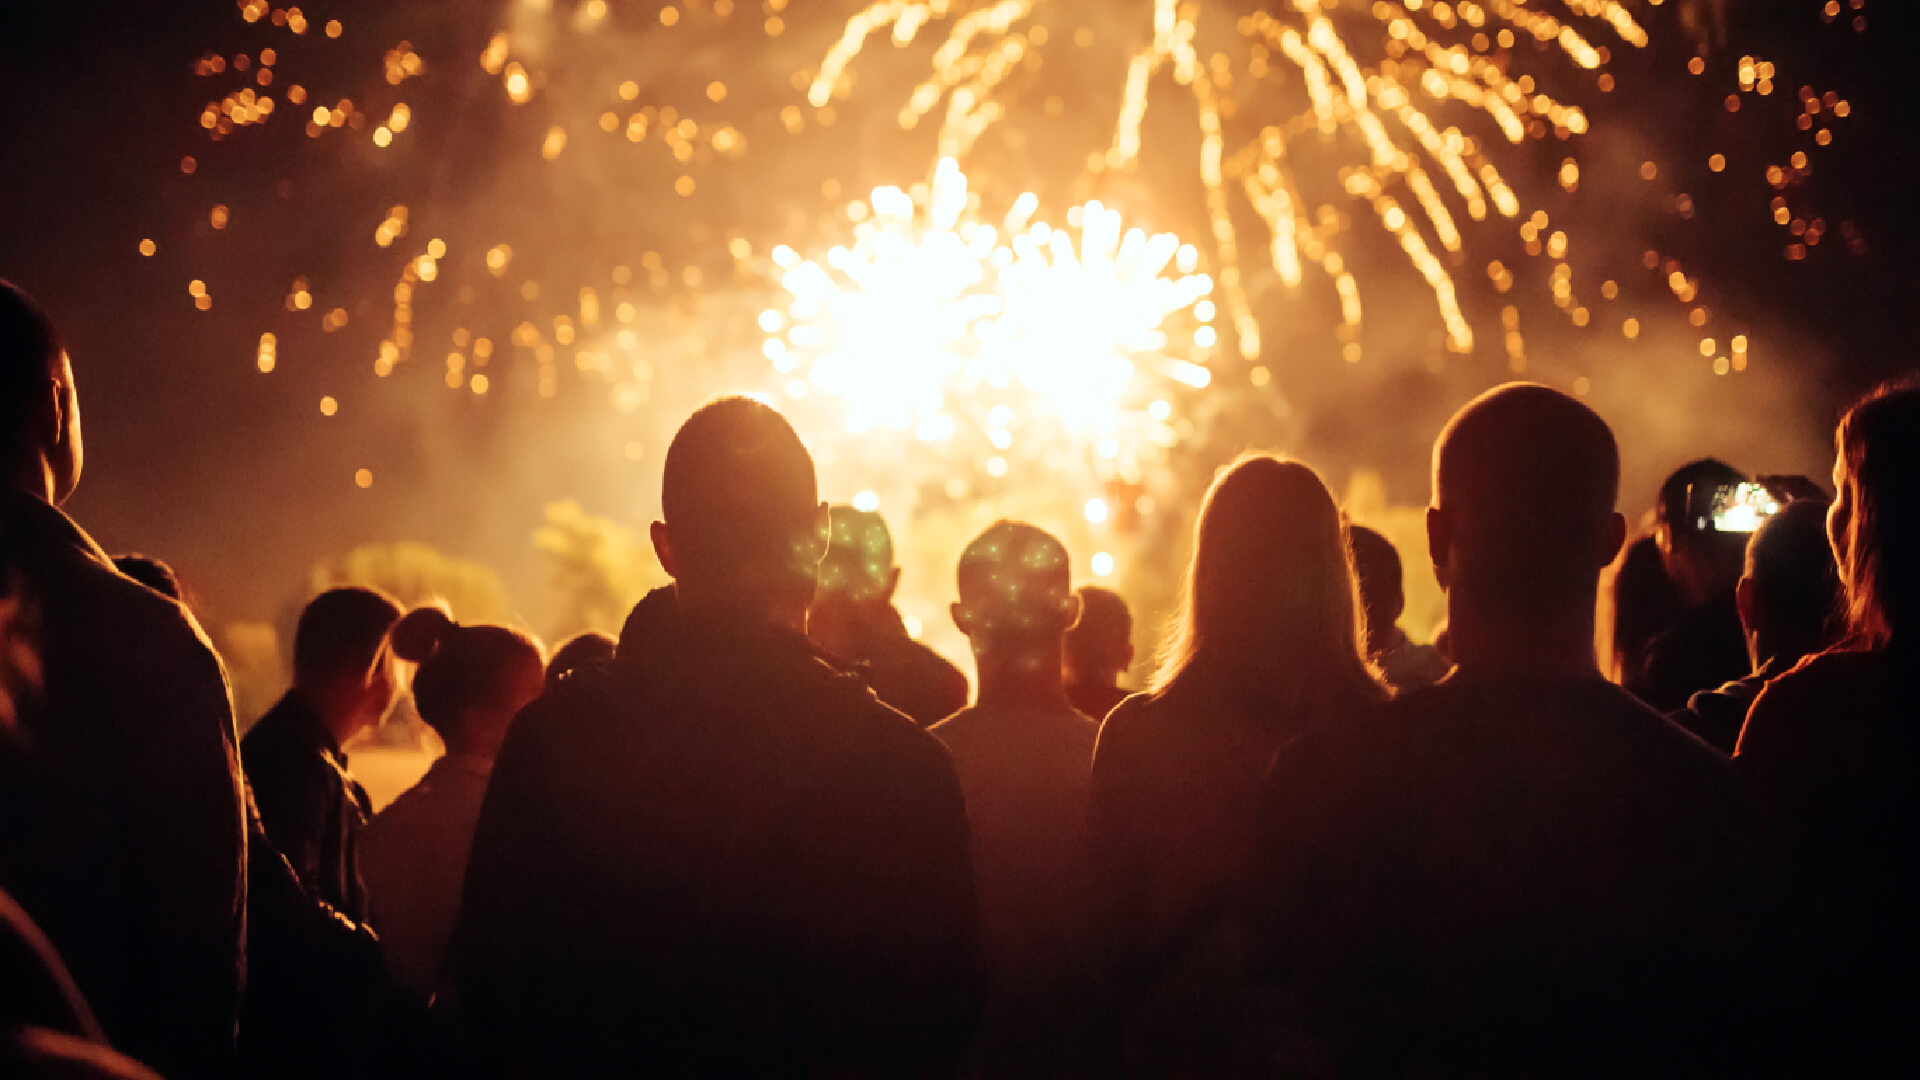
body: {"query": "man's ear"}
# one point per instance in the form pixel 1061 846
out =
pixel 1128 655
pixel 663 547
pixel 1073 612
pixel 961 621
pixel 1440 544
pixel 1614 540
pixel 53 416
pixel 1745 600
pixel 893 583
pixel 822 535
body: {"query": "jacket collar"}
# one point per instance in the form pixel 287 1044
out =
pixel 41 523
pixel 660 639
pixel 304 718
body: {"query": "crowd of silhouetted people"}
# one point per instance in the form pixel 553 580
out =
pixel 1645 805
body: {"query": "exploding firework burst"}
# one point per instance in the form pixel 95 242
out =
pixel 1008 353
pixel 1426 57
pixel 933 319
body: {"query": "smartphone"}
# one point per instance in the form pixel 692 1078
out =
pixel 1741 508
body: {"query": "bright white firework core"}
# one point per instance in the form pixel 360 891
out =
pixel 933 319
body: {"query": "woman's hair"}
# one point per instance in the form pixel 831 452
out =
pixel 463 668
pixel 1269 612
pixel 1877 534
pixel 342 632
pixel 1637 601
pixel 589 648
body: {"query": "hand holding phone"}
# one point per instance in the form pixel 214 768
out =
pixel 1741 508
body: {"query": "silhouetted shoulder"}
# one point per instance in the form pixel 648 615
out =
pixel 1827 672
pixel 874 727
pixel 1125 734
pixel 911 677
pixel 170 631
pixel 1809 704
pixel 1586 706
pixel 1127 718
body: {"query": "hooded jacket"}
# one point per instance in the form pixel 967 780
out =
pixel 720 854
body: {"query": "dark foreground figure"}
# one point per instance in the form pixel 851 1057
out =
pixel 720 855
pixel 121 802
pixel 1832 748
pixel 1522 870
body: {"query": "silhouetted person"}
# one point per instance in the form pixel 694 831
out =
pixel 150 572
pixel 1267 646
pixel 853 618
pixel 1521 869
pixel 1705 646
pixel 124 830
pixel 1789 601
pixel 1099 652
pixel 1383 598
pixel 1832 749
pixel 722 855
pixel 590 649
pixel 471 682
pixel 344 681
pixel 1023 753
pixel 314 976
pixel 1637 603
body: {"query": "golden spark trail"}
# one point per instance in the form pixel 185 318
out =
pixel 1388 109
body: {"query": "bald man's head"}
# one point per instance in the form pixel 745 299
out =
pixel 39 410
pixel 1015 589
pixel 740 502
pixel 1524 484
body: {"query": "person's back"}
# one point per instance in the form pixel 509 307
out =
pixel 1788 600
pixel 1831 749
pixel 1024 755
pixel 853 619
pixel 1268 647
pixel 1521 869
pixel 471 682
pixel 1024 772
pixel 125 836
pixel 313 808
pixel 720 855
pixel 1506 875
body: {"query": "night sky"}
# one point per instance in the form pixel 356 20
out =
pixel 240 481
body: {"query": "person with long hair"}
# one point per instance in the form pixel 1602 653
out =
pixel 1268 643
pixel 1637 602
pixel 1831 749
pixel 471 682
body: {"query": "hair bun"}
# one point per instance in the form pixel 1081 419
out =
pixel 420 632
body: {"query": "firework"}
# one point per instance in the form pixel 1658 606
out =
pixel 1005 351
pixel 1429 57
